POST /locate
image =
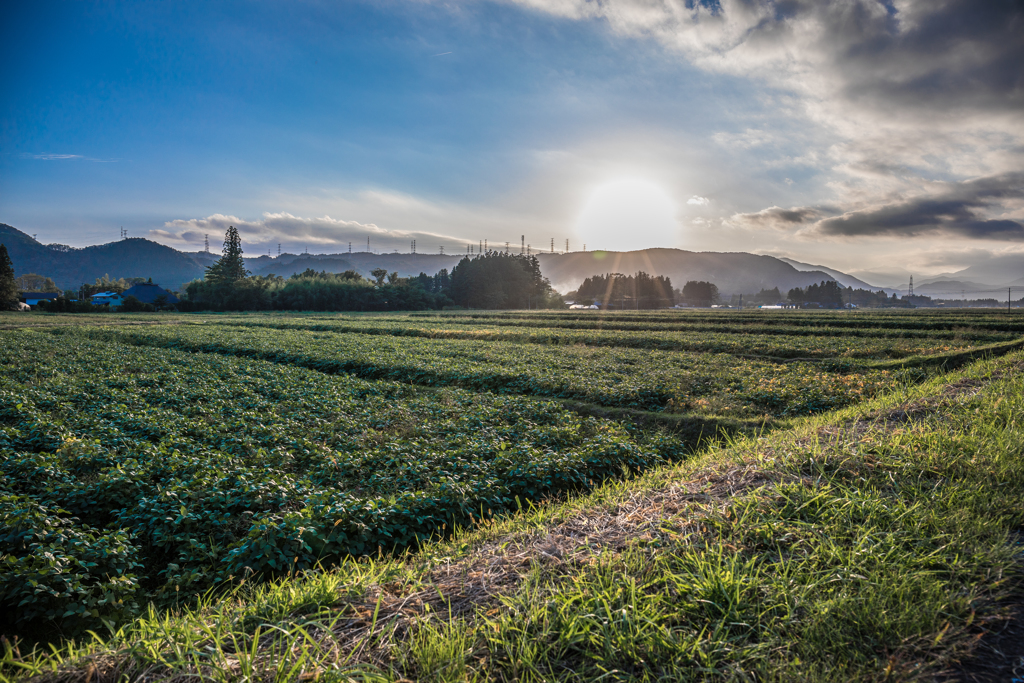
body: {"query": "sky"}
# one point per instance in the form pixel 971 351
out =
pixel 881 138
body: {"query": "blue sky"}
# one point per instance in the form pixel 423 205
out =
pixel 314 124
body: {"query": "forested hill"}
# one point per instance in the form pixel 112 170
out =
pixel 733 273
pixel 70 267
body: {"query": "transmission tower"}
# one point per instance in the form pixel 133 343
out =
pixel 442 250
pixel 522 244
pixel 506 247
pixel 527 249
pixel 414 246
pixel 207 236
pixel 350 247
pixel 278 248
pixel 552 245
pixel 485 247
pixel 567 246
pixel 367 243
pixel 911 285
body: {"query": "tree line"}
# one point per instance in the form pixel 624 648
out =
pixel 490 280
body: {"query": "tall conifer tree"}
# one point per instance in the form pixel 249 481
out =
pixel 8 287
pixel 230 267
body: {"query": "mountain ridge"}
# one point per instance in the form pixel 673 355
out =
pixel 732 272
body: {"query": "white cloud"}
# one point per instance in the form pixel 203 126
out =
pixel 697 200
pixel 322 234
pixel 64 157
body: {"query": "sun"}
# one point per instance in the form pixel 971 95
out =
pixel 628 214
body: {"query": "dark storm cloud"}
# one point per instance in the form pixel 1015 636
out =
pixel 964 54
pixel 959 210
pixel 776 217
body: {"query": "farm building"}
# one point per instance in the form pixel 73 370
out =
pixel 148 293
pixel 32 299
pixel 112 299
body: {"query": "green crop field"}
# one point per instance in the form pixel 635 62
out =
pixel 157 459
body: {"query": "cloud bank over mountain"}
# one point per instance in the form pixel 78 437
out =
pixel 320 234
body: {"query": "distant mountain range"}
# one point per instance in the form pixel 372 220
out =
pixel 733 273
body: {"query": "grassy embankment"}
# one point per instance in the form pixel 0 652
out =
pixel 874 543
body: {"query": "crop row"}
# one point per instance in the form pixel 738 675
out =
pixel 711 384
pixel 131 473
pixel 805 343
pixel 983 320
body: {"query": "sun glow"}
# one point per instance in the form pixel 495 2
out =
pixel 628 214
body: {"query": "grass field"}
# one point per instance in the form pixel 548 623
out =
pixel 691 495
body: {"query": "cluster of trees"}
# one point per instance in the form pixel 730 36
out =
pixel 8 285
pixel 829 294
pixel 500 280
pixel 30 282
pixel 105 284
pixel 700 293
pixel 491 280
pixel 615 290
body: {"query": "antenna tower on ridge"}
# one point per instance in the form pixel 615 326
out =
pixel 207 236
pixel 567 246
pixel 414 246
pixel 522 244
pixel 442 250
pixel 911 285
pixel 278 248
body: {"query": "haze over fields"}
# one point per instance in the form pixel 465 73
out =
pixel 879 139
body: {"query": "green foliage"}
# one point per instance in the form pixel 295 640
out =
pixel 828 294
pixel 105 284
pixel 700 293
pixel 640 291
pixel 868 545
pixel 30 282
pixel 499 280
pixel 230 267
pixel 716 384
pixel 55 569
pixel 8 286
pixel 185 469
